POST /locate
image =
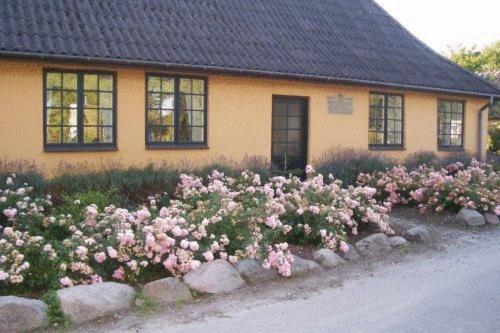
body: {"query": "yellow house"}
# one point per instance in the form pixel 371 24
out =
pixel 135 82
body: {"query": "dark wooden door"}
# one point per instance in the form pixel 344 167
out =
pixel 289 136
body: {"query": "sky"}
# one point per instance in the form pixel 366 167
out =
pixel 448 23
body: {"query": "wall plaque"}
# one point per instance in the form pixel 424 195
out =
pixel 340 104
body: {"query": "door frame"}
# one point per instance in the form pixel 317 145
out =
pixel 305 144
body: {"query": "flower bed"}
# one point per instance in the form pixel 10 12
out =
pixel 474 187
pixel 214 218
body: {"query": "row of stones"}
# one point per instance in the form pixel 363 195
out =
pixel 87 303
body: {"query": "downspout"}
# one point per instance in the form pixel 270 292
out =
pixel 480 140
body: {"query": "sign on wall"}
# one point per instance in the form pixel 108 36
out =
pixel 340 104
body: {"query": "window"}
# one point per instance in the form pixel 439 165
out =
pixel 175 111
pixel 79 110
pixel 450 124
pixel 386 121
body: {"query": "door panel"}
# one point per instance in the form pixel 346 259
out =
pixel 289 133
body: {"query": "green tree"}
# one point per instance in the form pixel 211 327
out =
pixel 479 61
pixel 485 63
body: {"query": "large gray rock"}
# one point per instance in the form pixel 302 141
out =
pixel 397 241
pixel 400 225
pixel 302 266
pixel 491 218
pixel 470 218
pixel 419 234
pixel 215 277
pixel 166 291
pixel 18 314
pixel 374 245
pixel 351 254
pixel 86 303
pixel 252 271
pixel 327 258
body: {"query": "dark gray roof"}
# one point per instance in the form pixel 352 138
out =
pixel 333 40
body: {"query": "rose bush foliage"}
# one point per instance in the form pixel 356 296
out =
pixel 219 217
pixel 453 187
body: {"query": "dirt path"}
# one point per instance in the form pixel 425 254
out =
pixel 452 285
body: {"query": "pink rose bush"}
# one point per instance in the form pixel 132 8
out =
pixel 218 217
pixel 456 186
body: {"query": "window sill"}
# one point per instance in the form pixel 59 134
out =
pixel 176 147
pixel 395 148
pixel 71 149
pixel 458 149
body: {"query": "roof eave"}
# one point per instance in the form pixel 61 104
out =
pixel 239 71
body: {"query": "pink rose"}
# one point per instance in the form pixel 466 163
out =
pixel 100 257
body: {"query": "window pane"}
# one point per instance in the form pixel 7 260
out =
pixel 294 122
pixel 106 135
pixel 153 101
pixel 279 135
pixel 185 86
pixel 154 84
pixel 376 113
pixel 167 101
pixel 197 134
pixel 198 87
pixel 90 82
pixel 106 82
pixel 105 100
pixel 395 101
pixel 457 107
pixel 167 134
pixel 106 118
pixel 53 116
pixel 53 135
pixel 69 81
pixel 167 85
pixel 167 118
pixel 185 102
pixel 70 134
pixel 54 98
pixel 90 135
pixel 69 99
pixel 70 117
pixel 154 117
pixel 198 102
pixel 54 80
pixel 91 100
pixel 377 100
pixel 90 117
pixel 198 118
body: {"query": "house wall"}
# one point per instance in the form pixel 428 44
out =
pixel 239 119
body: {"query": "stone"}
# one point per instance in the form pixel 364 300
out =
pixel 301 267
pixel 90 302
pixel 374 245
pixel 167 291
pixel 470 218
pixel 327 258
pixel 19 314
pixel 397 241
pixel 351 254
pixel 252 271
pixel 214 277
pixel 401 226
pixel 491 218
pixel 418 234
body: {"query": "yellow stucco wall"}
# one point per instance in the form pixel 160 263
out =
pixel 239 119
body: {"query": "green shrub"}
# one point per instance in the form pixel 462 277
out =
pixel 347 164
pixel 464 157
pixel 413 161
